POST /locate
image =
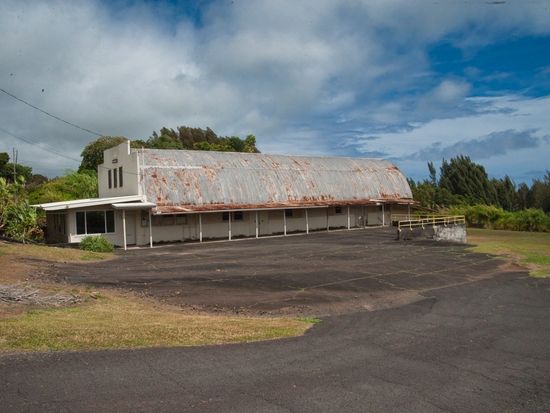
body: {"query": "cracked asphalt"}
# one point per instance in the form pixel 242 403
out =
pixel 475 338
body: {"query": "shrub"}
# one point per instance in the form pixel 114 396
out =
pixel 18 220
pixel 21 222
pixel 491 217
pixel 96 243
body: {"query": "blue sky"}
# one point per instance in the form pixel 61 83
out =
pixel 409 81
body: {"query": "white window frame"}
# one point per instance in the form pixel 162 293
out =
pixel 86 221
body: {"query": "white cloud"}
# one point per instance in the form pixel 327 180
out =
pixel 497 114
pixel 298 74
pixel 450 91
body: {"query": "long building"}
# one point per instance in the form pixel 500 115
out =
pixel 150 195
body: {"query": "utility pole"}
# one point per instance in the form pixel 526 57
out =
pixel 14 158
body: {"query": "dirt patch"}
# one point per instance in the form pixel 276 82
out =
pixel 28 295
pixel 13 269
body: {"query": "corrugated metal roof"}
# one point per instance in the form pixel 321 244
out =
pixel 179 180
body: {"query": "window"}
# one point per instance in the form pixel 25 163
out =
pixel 120 177
pixel 110 221
pixel 338 210
pixel 159 220
pixel 181 219
pixel 289 213
pixel 95 222
pixel 109 179
pixel 115 175
pixel 80 222
pixel 236 216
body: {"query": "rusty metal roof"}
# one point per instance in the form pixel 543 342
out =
pixel 185 181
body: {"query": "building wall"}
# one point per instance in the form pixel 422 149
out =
pixel 114 158
pixel 116 237
pixel 185 227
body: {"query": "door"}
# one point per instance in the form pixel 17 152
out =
pixel 130 227
pixel 263 218
pixel 374 215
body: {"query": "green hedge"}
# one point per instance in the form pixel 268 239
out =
pixel 491 217
pixel 96 243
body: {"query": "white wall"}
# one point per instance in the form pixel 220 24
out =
pixel 115 238
pixel 186 227
pixel 119 156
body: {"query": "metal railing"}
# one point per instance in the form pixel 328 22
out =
pixel 428 220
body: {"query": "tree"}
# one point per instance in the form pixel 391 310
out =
pixel 185 137
pixel 92 154
pixel 6 169
pixel 460 176
pixel 523 195
pixel 433 173
pixel 540 193
pixel 73 185
pixel 35 181
pixel 506 193
pixel 163 142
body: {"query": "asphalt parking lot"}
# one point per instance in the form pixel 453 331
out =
pixel 450 331
pixel 319 274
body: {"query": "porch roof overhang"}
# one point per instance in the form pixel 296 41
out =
pixel 90 202
pixel 205 208
pixel 134 205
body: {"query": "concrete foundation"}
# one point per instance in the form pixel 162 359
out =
pixel 453 233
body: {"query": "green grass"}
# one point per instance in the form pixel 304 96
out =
pixel 110 322
pixel 49 253
pixel 310 320
pixel 531 249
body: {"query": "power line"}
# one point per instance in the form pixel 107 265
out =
pixel 50 114
pixel 31 142
pixel 48 149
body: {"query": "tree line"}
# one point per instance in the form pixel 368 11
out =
pixel 183 137
pixel 463 182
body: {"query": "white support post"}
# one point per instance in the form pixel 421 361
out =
pixel 364 216
pixel 383 216
pixel 349 219
pixel 307 222
pixel 257 225
pixel 409 211
pixel 124 228
pixel 200 227
pixel 328 219
pixel 150 231
pixel 284 222
pixel 229 226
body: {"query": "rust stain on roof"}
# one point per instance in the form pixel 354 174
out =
pixel 184 181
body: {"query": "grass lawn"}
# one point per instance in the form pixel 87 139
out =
pixel 108 320
pixel 531 249
pixel 111 321
pixel 50 253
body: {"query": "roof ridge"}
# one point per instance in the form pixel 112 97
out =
pixel 232 153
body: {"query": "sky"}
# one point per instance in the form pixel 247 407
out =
pixel 407 81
